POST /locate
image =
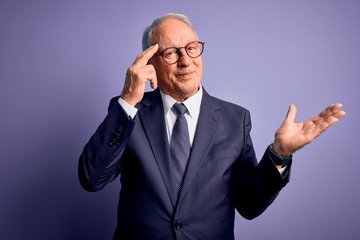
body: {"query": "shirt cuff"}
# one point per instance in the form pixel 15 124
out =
pixel 282 171
pixel 129 109
pixel 280 161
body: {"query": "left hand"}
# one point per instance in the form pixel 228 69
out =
pixel 292 136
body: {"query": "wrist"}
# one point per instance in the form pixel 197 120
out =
pixel 127 98
pixel 279 160
pixel 276 147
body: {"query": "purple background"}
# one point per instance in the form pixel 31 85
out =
pixel 61 62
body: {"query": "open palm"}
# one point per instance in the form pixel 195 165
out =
pixel 292 136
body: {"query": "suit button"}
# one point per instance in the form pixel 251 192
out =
pixel 112 143
pixel 178 225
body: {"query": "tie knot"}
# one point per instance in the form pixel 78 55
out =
pixel 179 108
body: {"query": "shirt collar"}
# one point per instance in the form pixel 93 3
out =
pixel 192 103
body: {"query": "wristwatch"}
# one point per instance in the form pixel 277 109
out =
pixel 277 159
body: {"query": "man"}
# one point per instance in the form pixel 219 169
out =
pixel 191 193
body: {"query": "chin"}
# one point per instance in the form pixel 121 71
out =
pixel 189 89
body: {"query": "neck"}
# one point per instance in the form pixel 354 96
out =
pixel 180 97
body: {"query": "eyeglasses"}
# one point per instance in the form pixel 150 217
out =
pixel 172 55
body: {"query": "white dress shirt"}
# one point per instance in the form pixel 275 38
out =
pixel 192 115
pixel 192 104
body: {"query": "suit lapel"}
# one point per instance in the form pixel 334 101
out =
pixel 152 118
pixel 153 121
pixel 205 133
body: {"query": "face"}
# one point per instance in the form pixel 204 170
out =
pixel 182 79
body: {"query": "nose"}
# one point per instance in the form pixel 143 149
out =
pixel 184 59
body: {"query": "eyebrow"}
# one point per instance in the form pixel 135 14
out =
pixel 159 51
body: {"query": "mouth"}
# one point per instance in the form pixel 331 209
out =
pixel 185 75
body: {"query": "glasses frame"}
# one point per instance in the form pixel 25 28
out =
pixel 178 50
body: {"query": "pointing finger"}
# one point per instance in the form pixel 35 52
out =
pixel 145 56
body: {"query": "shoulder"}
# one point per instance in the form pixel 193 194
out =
pixel 223 105
pixel 228 113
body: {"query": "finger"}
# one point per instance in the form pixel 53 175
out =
pixel 334 118
pixel 137 77
pixel 148 71
pixel 153 82
pixel 337 107
pixel 326 124
pixel 334 112
pixel 145 56
pixel 142 74
pixel 291 114
pixel 151 76
pixel 331 119
pixel 340 114
pixel 331 110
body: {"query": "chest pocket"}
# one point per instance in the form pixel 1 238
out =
pixel 223 154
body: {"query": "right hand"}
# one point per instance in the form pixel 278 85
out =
pixel 137 75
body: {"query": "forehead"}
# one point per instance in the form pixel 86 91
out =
pixel 173 32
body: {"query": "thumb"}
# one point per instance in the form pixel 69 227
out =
pixel 291 113
pixel 153 82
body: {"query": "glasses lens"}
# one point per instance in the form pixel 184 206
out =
pixel 171 55
pixel 194 49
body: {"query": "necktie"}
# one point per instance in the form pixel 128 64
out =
pixel 179 146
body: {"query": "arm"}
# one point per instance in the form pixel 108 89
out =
pixel 256 186
pixel 99 162
pixel 261 184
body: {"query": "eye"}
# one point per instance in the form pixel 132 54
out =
pixel 192 48
pixel 170 53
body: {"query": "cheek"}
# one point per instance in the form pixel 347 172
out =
pixel 168 73
pixel 199 69
pixel 165 76
pixel 161 70
pixel 198 64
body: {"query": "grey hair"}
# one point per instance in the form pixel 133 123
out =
pixel 146 39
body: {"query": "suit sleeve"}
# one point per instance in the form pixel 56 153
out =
pixel 99 162
pixel 255 186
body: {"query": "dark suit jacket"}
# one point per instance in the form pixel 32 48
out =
pixel 223 173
